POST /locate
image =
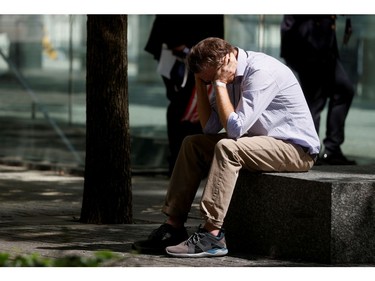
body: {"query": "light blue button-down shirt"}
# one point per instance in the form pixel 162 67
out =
pixel 268 101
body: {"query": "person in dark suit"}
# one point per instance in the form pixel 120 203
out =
pixel 309 47
pixel 179 33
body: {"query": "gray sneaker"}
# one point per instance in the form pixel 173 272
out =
pixel 200 244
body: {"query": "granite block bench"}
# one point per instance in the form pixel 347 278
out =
pixel 326 215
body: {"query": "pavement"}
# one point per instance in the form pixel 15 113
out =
pixel 38 215
pixel 39 212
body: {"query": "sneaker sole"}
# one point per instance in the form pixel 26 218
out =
pixel 211 253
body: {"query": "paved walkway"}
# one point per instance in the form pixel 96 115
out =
pixel 39 212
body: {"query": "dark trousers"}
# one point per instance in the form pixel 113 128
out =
pixel 177 129
pixel 328 82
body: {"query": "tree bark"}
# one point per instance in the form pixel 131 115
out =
pixel 107 196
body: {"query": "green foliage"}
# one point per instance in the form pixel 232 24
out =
pixel 35 260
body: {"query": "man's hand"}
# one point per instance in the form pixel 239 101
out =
pixel 180 51
pixel 200 84
pixel 226 72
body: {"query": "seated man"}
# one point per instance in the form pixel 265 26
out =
pixel 268 128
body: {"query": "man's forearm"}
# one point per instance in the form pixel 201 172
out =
pixel 203 102
pixel 224 105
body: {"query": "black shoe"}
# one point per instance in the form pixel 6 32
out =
pixel 335 159
pixel 160 238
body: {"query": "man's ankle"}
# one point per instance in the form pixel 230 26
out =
pixel 211 229
pixel 174 222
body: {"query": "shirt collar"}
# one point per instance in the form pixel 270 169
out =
pixel 241 59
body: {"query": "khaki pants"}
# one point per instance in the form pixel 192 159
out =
pixel 222 158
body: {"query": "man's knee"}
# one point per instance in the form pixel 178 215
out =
pixel 191 140
pixel 226 146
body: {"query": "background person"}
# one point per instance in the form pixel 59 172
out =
pixel 179 33
pixel 309 46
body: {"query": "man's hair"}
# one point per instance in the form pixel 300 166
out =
pixel 208 53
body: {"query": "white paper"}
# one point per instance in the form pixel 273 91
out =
pixel 166 62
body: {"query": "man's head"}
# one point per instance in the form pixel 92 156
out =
pixel 207 56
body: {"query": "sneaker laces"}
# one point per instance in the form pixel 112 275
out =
pixel 194 239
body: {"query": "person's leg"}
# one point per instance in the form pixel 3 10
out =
pixel 177 129
pixel 191 167
pixel 264 154
pixel 341 96
pixel 258 154
pixel 311 78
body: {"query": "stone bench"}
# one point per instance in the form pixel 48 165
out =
pixel 326 215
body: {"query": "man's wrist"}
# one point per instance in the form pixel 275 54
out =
pixel 218 83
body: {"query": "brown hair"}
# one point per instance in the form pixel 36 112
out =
pixel 208 53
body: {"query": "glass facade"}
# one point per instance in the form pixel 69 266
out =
pixel 42 86
pixel 42 89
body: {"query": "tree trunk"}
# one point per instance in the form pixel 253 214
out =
pixel 107 196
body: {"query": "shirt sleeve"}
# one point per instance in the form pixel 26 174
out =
pixel 257 92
